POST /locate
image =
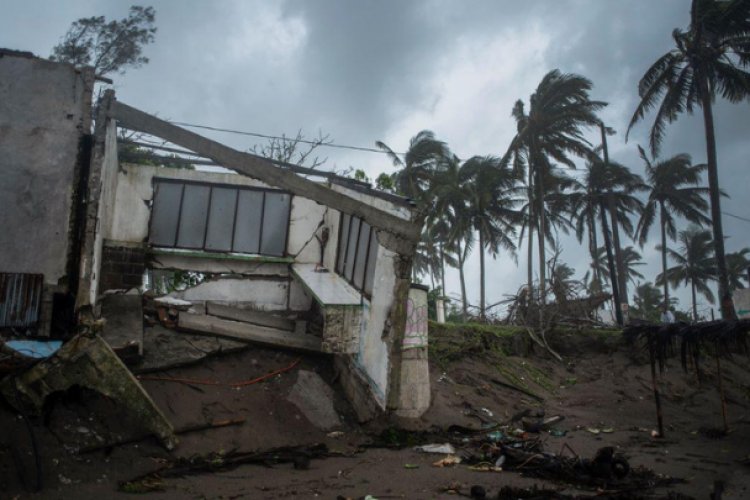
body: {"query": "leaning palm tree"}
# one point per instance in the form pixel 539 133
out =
pixel 738 265
pixel 674 189
pixel 491 208
pixel 559 111
pixel 695 264
pixel 711 57
pixel 417 167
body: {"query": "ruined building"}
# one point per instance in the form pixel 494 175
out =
pixel 280 255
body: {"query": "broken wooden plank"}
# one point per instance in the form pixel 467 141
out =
pixel 404 234
pixel 259 318
pixel 235 330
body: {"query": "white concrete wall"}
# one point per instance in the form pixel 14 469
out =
pixel 44 111
pixel 106 204
pixel 372 359
pixel 130 221
pixel 263 294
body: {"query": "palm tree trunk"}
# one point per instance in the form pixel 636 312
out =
pixel 664 254
pixel 542 256
pixel 610 263
pixel 714 195
pixel 442 271
pixel 482 315
pixel 461 278
pixel 695 307
pixel 622 281
pixel 593 245
pixel 530 248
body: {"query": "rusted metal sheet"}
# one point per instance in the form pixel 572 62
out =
pixel 20 299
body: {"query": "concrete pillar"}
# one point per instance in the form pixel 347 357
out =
pixel 440 309
pixel 414 394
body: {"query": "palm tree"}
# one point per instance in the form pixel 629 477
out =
pixel 737 268
pixel 439 231
pixel 417 168
pixel 557 212
pixel 695 264
pixel 648 302
pixel 709 58
pixel 449 191
pixel 426 259
pixel 631 260
pixel 602 182
pixel 674 189
pixel 491 209
pixel 559 111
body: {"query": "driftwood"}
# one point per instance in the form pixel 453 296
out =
pixel 214 424
pixel 300 456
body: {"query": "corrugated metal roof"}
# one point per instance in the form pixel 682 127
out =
pixel 20 299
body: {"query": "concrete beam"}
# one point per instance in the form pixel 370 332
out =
pixel 394 233
pixel 245 332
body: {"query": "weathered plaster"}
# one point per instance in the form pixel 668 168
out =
pixel 263 294
pixel 44 111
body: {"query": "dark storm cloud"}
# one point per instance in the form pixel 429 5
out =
pixel 368 70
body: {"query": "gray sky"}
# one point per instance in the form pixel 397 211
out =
pixel 370 70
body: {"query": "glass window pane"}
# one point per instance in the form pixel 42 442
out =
pixel 343 238
pixel 361 260
pixel 275 224
pixel 192 230
pixel 164 215
pixel 351 249
pixel 370 273
pixel 247 228
pixel 221 219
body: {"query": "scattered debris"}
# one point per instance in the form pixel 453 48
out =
pixel 443 449
pixel 86 361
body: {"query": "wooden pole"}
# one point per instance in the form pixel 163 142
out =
pixel 721 390
pixel 657 396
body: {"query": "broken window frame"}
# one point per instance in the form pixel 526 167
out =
pixel 233 216
pixel 369 256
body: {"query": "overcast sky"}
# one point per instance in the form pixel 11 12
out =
pixel 363 71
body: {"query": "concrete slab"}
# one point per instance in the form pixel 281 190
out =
pixel 314 398
pixel 260 318
pixel 246 332
pixel 123 329
pixel 164 349
pixel 328 288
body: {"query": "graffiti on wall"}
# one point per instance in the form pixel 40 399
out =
pixel 415 335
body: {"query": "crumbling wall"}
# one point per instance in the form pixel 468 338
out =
pixel 44 113
pixel 268 278
pixel 375 364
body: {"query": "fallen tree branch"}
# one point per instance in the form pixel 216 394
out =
pixel 214 424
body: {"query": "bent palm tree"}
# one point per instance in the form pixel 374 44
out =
pixel 673 190
pixel 710 58
pixel 559 111
pixel 417 168
pixel 695 264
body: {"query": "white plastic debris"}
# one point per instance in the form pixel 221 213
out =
pixel 443 449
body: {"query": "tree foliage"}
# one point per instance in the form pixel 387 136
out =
pixel 108 46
